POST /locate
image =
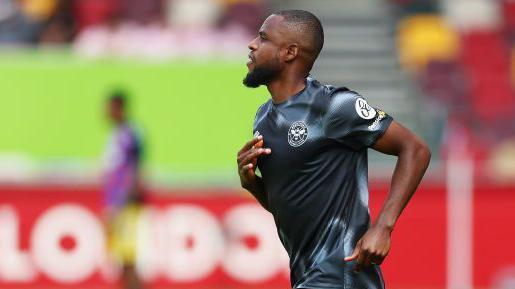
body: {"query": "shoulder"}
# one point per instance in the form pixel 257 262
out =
pixel 343 95
pixel 347 106
pixel 131 134
pixel 342 101
pixel 331 94
pixel 262 111
pixel 133 129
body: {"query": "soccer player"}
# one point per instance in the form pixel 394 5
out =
pixel 310 145
pixel 123 196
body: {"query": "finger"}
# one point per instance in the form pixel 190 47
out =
pixel 244 158
pixel 366 260
pixel 251 143
pixel 377 260
pixel 363 260
pixel 252 157
pixel 256 153
pixel 248 167
pixel 360 261
pixel 259 144
pixel 243 153
pixel 241 156
pixel 355 253
pixel 248 170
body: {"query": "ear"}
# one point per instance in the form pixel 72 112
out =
pixel 292 51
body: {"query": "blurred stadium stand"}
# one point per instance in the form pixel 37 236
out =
pixel 460 52
pixel 422 61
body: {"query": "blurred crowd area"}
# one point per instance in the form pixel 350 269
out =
pixel 462 53
pixel 149 28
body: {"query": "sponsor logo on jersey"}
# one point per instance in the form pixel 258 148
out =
pixel 364 110
pixel 297 134
pixel 380 115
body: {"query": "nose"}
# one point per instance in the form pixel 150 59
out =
pixel 252 45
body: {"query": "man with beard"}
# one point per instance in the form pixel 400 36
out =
pixel 310 145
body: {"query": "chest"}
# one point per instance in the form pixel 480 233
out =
pixel 294 138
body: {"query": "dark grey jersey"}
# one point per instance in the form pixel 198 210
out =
pixel 317 181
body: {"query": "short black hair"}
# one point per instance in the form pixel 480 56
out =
pixel 119 97
pixel 308 24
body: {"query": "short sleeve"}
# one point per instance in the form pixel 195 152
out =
pixel 350 120
pixel 260 113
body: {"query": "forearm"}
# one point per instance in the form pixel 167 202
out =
pixel 257 189
pixel 411 165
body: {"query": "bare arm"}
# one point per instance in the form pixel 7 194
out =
pixel 257 189
pixel 413 160
pixel 413 157
pixel 247 161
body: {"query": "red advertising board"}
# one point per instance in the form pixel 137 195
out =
pixel 53 237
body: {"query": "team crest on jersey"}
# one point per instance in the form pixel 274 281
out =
pixel 297 134
pixel 364 110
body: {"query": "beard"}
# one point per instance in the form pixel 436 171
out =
pixel 261 75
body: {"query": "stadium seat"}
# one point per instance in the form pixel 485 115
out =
pixel 508 11
pixel 477 45
pixel 472 15
pixel 445 81
pixel 92 12
pixel 39 10
pixel 492 97
pixel 485 59
pixel 423 38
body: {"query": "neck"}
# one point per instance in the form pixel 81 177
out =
pixel 284 87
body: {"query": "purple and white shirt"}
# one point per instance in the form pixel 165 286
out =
pixel 122 163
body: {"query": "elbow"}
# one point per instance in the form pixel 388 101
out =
pixel 416 150
pixel 422 152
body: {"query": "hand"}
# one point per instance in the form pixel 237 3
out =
pixel 372 248
pixel 247 160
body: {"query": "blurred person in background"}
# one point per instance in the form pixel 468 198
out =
pixel 21 22
pixel 60 27
pixel 161 29
pixel 123 193
pixel 154 29
pixel 310 145
pixel 32 22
